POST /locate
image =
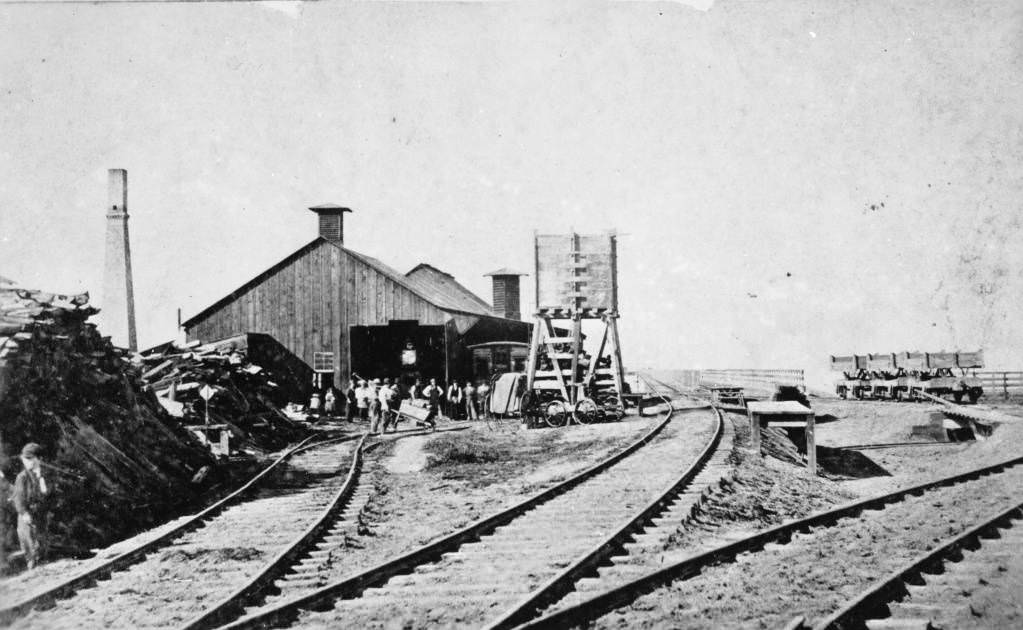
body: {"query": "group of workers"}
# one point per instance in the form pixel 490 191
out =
pixel 29 497
pixel 378 401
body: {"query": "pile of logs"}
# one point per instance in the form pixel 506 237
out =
pixel 115 460
pixel 245 397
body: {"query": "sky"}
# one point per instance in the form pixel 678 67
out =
pixel 789 180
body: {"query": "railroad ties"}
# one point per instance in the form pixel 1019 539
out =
pixel 788 537
pixel 508 567
pixel 195 570
pixel 646 550
pixel 473 585
pixel 946 587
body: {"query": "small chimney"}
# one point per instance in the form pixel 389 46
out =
pixel 332 222
pixel 507 302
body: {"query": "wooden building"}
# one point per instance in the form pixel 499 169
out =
pixel 346 313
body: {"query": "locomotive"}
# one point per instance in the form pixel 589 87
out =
pixel 904 375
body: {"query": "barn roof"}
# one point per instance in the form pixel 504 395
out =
pixel 442 286
pixel 447 295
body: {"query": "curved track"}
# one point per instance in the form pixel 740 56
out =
pixel 222 552
pixel 502 568
pixel 48 594
pixel 691 565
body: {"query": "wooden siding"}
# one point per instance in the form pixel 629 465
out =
pixel 309 304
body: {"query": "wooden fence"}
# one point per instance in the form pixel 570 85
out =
pixel 1004 384
pixel 765 380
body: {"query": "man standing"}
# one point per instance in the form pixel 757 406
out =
pixel 5 495
pixel 433 394
pixel 362 394
pixel 351 409
pixel 329 402
pixel 385 396
pixel 374 406
pixel 483 396
pixel 30 493
pixel 454 400
pixel 469 395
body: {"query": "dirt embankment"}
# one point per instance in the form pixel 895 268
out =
pixel 817 573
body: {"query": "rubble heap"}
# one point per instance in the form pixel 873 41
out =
pixel 247 397
pixel 117 462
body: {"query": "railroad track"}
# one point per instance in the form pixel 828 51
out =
pixel 46 595
pixel 284 520
pixel 503 569
pixel 933 590
pixel 689 565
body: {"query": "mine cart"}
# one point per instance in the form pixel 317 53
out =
pixel 855 380
pixel 884 376
pixel 968 384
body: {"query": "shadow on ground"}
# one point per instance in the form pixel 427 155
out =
pixel 840 463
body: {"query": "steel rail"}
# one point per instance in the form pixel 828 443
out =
pixel 561 584
pixel 228 608
pixel 353 585
pixel 595 607
pixel 867 447
pixel 892 586
pixel 46 595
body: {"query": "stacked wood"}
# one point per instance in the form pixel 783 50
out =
pixel 248 398
pixel 115 460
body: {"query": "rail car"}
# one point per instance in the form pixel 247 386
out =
pixel 905 375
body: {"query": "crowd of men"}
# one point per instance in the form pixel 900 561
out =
pixel 378 401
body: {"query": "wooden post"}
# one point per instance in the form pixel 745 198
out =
pixel 1005 384
pixel 225 441
pixel 811 447
pixel 754 431
pixel 577 331
pixel 534 352
pixel 617 369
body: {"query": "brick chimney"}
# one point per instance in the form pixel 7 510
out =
pixel 332 222
pixel 507 302
pixel 117 313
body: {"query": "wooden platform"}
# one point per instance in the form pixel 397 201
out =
pixel 783 413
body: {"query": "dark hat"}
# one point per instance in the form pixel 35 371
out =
pixel 31 450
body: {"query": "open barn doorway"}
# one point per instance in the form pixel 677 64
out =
pixel 402 349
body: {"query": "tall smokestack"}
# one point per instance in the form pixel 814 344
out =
pixel 507 298
pixel 331 222
pixel 117 315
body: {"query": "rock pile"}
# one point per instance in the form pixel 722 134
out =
pixel 116 461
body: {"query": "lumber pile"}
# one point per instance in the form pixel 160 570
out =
pixel 115 460
pixel 246 397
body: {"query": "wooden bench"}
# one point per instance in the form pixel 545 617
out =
pixel 786 413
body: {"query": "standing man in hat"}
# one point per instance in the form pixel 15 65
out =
pixel 30 492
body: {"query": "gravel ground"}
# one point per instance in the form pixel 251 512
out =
pixel 878 422
pixel 762 493
pixel 415 501
pixel 411 509
pixel 473 586
pixel 176 582
pixel 816 573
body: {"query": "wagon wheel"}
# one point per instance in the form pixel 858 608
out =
pixel 557 413
pixel 586 411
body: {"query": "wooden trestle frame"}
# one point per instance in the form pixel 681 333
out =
pixel 565 351
pixel 563 378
